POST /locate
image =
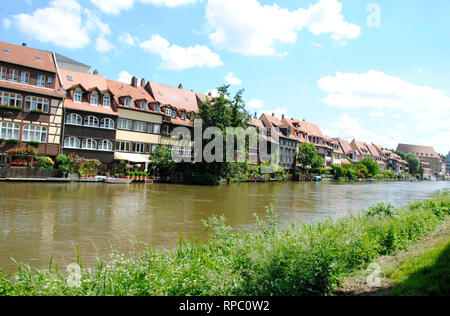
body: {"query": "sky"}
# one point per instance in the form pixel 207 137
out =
pixel 377 71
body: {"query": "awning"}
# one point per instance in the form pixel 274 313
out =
pixel 137 158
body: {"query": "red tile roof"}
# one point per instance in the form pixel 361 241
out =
pixel 85 106
pixel 87 80
pixel 57 93
pixel 418 150
pixel 175 97
pixel 345 146
pixel 120 89
pixel 25 56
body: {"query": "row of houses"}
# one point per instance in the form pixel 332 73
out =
pixel 56 104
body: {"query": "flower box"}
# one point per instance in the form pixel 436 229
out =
pixel 15 108
pixel 15 141
pixel 37 111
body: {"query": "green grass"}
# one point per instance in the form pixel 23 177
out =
pixel 297 259
pixel 423 275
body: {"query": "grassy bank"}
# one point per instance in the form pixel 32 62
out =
pixel 423 269
pixel 299 259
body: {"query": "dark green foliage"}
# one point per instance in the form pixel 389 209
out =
pixel 413 162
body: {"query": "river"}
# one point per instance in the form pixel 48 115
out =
pixel 43 221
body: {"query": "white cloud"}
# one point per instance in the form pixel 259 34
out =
pixel 231 79
pixel 175 57
pixel 6 23
pixel 256 104
pixel 318 45
pixel 125 77
pixel 351 128
pixel 127 39
pixel 103 45
pixel 377 114
pixel 249 28
pixel 115 6
pixel 426 111
pixel 63 23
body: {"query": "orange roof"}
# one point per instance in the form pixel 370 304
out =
pixel 25 56
pixel 345 146
pixel 175 97
pixel 120 89
pixel 373 151
pixel 85 106
pixel 419 151
pixel 256 122
pixel 87 80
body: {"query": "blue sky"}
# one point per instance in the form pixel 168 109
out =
pixel 374 70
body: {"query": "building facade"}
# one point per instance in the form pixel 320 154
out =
pixel 31 100
pixel 427 155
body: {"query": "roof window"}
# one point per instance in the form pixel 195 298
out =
pixel 6 50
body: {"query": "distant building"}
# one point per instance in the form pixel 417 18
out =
pixel 70 64
pixel 447 163
pixel 393 162
pixel 427 156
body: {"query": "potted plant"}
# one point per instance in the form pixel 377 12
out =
pixel 145 176
pixel 141 176
pixel 127 175
pixel 132 175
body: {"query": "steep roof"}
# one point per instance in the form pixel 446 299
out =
pixel 345 146
pixel 178 98
pixel 418 150
pixel 28 57
pixel 89 81
pixel 307 127
pixel 64 59
pixel 120 89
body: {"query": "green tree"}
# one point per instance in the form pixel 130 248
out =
pixel 308 157
pixel 63 164
pixel 372 166
pixel 162 162
pixel 338 172
pixel 413 162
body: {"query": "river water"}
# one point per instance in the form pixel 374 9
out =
pixel 43 221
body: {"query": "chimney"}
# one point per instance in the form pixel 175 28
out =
pixel 95 72
pixel 143 82
pixel 24 44
pixel 256 115
pixel 282 117
pixel 273 114
pixel 180 86
pixel 134 81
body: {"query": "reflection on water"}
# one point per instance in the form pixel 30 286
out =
pixel 40 221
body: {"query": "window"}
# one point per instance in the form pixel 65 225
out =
pixel 105 145
pixel 36 104
pixel 25 77
pixel 74 119
pixel 144 105
pixel 157 108
pixel 50 80
pixel 150 128
pixel 183 116
pixel 127 102
pixel 139 148
pixel 72 142
pixel 77 96
pixel 91 121
pixel 124 124
pixel 33 133
pixel 107 123
pixel 13 75
pixel 3 73
pixel 192 117
pixel 9 131
pixel 41 80
pixel 89 144
pixel 174 114
pixel 140 127
pixel 69 78
pixel 10 99
pixel 94 99
pixel 106 101
pixel 157 129
pixel 168 112
pixel 123 146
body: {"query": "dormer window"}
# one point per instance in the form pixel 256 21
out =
pixel 77 96
pixel 183 116
pixel 106 101
pixel 168 112
pixel 144 105
pixel 157 108
pixel 25 77
pixel 174 114
pixel 94 99
pixel 127 102
pixel 192 117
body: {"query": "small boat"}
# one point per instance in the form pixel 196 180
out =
pixel 371 180
pixel 118 181
pixel 318 178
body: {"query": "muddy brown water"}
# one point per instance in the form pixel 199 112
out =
pixel 42 221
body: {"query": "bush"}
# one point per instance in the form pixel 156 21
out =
pixel 44 162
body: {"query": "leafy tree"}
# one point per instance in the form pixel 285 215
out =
pixel 414 163
pixel 308 157
pixel 338 172
pixel 162 162
pixel 371 166
pixel 63 164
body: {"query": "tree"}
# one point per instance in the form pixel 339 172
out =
pixel 222 111
pixel 372 166
pixel 413 162
pixel 338 172
pixel 308 157
pixel 162 161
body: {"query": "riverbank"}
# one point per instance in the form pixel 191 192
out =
pixel 298 259
pixel 422 270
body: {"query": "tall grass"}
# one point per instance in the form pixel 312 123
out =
pixel 298 259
